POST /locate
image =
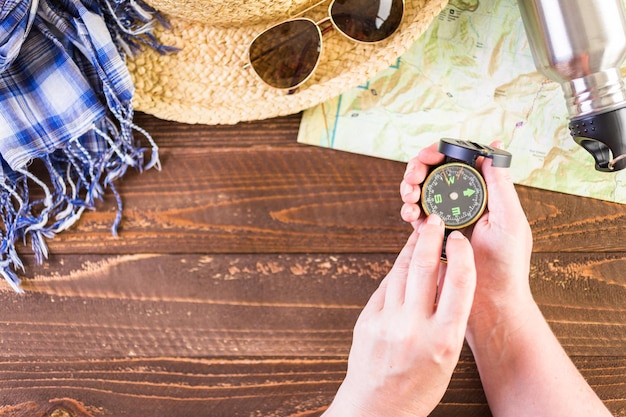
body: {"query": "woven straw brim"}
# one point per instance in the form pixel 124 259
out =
pixel 206 82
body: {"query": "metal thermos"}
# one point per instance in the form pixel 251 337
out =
pixel 581 45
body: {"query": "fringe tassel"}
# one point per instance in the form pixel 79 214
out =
pixel 75 180
pixel 76 176
pixel 131 23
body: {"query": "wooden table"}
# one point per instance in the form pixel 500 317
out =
pixel 239 272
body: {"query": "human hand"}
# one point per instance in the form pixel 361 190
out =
pixel 501 238
pixel 406 345
pixel 410 190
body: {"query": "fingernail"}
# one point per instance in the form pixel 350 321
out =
pixel 434 219
pixel 456 235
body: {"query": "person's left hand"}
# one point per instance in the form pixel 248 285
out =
pixel 409 336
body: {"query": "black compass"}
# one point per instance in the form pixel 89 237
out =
pixel 456 190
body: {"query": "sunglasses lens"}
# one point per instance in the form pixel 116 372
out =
pixel 367 20
pixel 285 55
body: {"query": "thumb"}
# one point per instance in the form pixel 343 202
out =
pixel 459 284
pixel 503 200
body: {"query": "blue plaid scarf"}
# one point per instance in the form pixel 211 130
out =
pixel 65 111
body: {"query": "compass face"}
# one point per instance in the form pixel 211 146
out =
pixel 456 192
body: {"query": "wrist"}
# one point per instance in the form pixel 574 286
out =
pixel 493 320
pixel 345 404
pixel 350 403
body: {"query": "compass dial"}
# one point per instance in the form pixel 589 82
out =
pixel 456 192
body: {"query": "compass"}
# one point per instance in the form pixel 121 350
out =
pixel 457 193
pixel 455 190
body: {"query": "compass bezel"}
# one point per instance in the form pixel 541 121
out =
pixel 476 173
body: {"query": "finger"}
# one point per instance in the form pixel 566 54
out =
pixel 502 198
pixel 395 285
pixel 421 286
pixel 410 193
pixel 410 212
pixel 457 291
pixel 376 301
pixel 415 172
pixel 431 155
pixel 417 168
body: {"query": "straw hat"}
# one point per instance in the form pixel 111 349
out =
pixel 206 82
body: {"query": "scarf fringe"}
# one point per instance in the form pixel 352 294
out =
pixel 131 23
pixel 74 178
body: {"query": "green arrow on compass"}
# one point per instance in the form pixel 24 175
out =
pixel 469 192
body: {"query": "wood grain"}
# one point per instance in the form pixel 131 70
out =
pixel 237 387
pixel 261 305
pixel 240 270
pixel 299 199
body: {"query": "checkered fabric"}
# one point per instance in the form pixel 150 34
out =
pixel 65 108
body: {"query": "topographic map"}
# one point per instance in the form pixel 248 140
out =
pixel 470 76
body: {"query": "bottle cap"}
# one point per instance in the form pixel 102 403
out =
pixel 603 135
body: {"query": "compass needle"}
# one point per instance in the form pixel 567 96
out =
pixel 446 177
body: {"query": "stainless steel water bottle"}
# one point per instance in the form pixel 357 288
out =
pixel 581 45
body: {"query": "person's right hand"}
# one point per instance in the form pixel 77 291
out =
pixel 502 242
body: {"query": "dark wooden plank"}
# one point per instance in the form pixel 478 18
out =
pixel 568 223
pixel 250 200
pixel 299 199
pixel 150 305
pixel 189 305
pixel 173 387
pixel 582 297
pixel 278 387
pixel 281 131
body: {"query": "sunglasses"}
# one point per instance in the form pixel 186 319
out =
pixel 286 55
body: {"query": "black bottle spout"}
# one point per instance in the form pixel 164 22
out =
pixel 603 135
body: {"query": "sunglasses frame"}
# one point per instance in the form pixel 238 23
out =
pixel 321 31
